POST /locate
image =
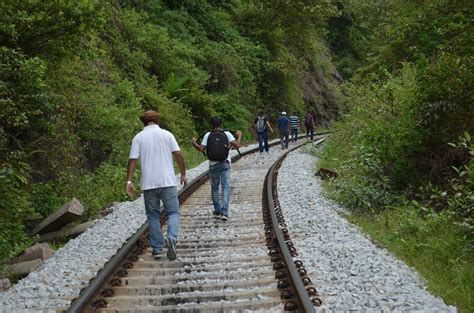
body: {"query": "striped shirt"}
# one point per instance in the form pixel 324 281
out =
pixel 294 122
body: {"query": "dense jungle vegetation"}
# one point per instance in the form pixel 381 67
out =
pixel 404 151
pixel 75 75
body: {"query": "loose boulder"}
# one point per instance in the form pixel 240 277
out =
pixel 325 173
pixel 68 213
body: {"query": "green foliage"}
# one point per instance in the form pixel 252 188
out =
pixel 405 119
pixel 47 28
pixel 457 195
pixel 411 95
pixel 365 188
pixel 14 208
pixel 23 98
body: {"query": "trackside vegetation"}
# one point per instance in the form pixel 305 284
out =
pixel 404 152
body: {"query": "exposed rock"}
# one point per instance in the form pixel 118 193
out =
pixel 68 213
pixel 325 173
pixel 70 232
pixel 40 251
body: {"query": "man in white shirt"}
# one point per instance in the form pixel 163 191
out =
pixel 219 171
pixel 155 147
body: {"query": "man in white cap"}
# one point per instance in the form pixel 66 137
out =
pixel 284 128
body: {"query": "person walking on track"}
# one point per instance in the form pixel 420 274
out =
pixel 310 125
pixel 294 126
pixel 284 128
pixel 156 147
pixel 262 126
pixel 217 144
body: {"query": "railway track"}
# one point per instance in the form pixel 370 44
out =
pixel 223 266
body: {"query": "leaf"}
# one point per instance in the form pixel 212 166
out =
pixel 467 136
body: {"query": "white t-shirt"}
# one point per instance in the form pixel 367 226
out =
pixel 230 137
pixel 154 147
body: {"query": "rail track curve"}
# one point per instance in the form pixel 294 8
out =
pixel 244 264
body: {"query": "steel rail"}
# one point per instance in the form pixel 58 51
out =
pixel 88 293
pixel 302 294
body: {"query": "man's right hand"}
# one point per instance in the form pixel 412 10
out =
pixel 129 189
pixel 238 133
pixel 184 180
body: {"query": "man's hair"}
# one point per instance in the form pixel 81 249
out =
pixel 260 113
pixel 216 121
pixel 150 116
pixel 294 113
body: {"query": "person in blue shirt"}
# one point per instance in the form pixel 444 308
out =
pixel 284 128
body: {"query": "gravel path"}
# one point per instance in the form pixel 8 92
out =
pixel 348 270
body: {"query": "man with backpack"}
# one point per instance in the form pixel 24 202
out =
pixel 262 126
pixel 294 126
pixel 284 128
pixel 217 144
pixel 309 123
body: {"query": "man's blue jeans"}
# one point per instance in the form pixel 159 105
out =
pixel 169 197
pixel 284 138
pixel 294 135
pixel 219 174
pixel 263 141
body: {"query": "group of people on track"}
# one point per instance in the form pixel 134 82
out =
pixel 156 148
pixel 286 126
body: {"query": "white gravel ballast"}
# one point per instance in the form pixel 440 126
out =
pixel 350 272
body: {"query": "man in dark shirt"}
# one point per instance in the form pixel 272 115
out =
pixel 284 128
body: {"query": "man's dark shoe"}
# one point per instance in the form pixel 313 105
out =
pixel 224 217
pixel 157 254
pixel 216 214
pixel 171 246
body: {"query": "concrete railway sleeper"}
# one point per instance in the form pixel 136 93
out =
pixel 245 263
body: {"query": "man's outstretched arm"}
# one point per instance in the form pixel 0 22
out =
pixel 236 143
pixel 198 147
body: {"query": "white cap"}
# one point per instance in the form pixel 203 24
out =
pixel 283 113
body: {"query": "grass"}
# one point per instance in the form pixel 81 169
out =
pixel 438 249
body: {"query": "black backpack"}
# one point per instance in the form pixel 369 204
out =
pixel 218 146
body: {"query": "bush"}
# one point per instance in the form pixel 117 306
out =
pixel 14 208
